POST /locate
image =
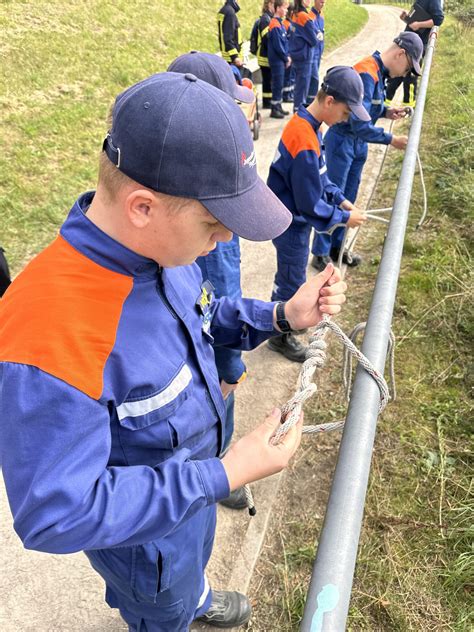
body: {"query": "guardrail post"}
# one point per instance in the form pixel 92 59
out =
pixel 327 602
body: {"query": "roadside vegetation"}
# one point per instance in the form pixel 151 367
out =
pixel 415 566
pixel 63 63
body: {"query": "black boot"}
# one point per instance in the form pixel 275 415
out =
pixel 227 610
pixel 320 262
pixel 351 259
pixel 289 346
pixel 236 500
pixel 284 112
pixel 266 104
pixel 276 113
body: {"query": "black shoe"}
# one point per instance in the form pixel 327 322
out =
pixel 266 104
pixel 236 500
pixel 284 112
pixel 278 114
pixel 289 346
pixel 351 259
pixel 227 610
pixel 320 262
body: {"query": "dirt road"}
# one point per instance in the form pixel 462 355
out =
pixel 53 593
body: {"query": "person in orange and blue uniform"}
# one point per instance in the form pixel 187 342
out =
pixel 434 17
pixel 298 177
pixel 301 44
pixel 278 56
pixel 347 143
pixel 221 267
pixel 318 23
pixel 112 416
pixel 289 83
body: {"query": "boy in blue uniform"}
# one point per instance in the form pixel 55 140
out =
pixel 301 44
pixel 298 176
pixel 111 411
pixel 422 27
pixel 347 143
pixel 318 24
pixel 278 57
pixel 222 266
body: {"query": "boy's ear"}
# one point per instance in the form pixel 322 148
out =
pixel 138 206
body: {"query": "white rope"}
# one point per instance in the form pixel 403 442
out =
pixel 306 388
pixel 423 186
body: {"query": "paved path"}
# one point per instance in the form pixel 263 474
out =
pixel 53 593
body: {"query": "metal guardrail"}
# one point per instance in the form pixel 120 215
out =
pixel 327 602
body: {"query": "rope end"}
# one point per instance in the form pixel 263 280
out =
pixel 252 511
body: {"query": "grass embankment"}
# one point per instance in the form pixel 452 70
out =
pixel 415 566
pixel 63 64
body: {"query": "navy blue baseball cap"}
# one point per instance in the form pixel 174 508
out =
pixel 412 44
pixel 176 134
pixel 215 71
pixel 344 84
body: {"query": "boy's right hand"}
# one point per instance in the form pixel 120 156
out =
pixel 254 456
pixel 356 218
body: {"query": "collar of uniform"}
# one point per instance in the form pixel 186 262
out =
pixel 91 241
pixel 303 113
pixel 378 58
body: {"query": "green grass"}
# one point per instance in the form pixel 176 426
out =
pixel 415 568
pixel 63 63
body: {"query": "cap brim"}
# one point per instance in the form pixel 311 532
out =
pixel 360 112
pixel 416 68
pixel 257 214
pixel 241 93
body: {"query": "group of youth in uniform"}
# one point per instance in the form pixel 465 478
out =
pixel 120 343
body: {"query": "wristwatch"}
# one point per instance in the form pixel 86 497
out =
pixel 283 324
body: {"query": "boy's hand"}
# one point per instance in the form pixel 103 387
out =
pixel 227 388
pixel 322 294
pixel 403 15
pixel 254 457
pixel 356 218
pixel 395 113
pixel 399 142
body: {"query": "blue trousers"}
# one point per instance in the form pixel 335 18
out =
pixel 302 79
pixel 159 586
pixel 289 84
pixel 278 80
pixel 345 159
pixel 314 78
pixel 292 249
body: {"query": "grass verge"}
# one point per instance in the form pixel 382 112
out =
pixel 62 65
pixel 415 566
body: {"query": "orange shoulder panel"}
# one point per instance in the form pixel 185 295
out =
pixel 303 17
pixel 273 24
pixel 368 65
pixel 61 315
pixel 298 136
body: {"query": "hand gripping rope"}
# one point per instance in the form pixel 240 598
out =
pixel 316 358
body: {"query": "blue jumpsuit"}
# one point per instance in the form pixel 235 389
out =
pixel 301 44
pixel 346 143
pixel 278 57
pixel 111 416
pixel 318 50
pixel 222 268
pixel 298 177
pixel 289 83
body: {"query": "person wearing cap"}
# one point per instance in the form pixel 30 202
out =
pixel 278 57
pixel 298 177
pixel 431 14
pixel 318 24
pixel 301 44
pixel 229 33
pixel 347 143
pixel 221 267
pixel 111 411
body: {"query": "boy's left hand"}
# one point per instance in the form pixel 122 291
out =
pixel 323 294
pixel 395 113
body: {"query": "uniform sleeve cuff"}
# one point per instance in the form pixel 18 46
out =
pixel 388 138
pixel 345 216
pixel 214 479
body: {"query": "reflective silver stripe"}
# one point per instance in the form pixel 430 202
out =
pixel 376 101
pixel 323 170
pixel 144 406
pixel 205 592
